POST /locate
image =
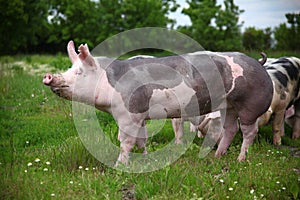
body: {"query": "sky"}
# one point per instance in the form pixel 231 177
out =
pixel 257 13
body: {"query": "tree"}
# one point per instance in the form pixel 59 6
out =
pixel 288 36
pixel 257 39
pixel 228 27
pixel 146 13
pixel 76 20
pixel 201 13
pixel 214 27
pixel 24 24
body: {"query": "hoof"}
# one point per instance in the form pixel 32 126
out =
pixel 241 157
pixel 218 154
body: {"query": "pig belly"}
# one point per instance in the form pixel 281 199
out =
pixel 171 102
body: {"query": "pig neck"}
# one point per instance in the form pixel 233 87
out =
pixel 104 91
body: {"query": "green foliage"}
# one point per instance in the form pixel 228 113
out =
pixel 214 27
pixel 258 39
pixel 288 36
pixel 47 26
pixel 24 24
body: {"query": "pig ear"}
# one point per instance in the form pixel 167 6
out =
pixel 72 53
pixel 85 55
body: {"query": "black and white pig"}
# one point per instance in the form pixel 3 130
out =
pixel 285 75
pixel 177 89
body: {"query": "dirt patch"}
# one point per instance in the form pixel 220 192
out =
pixel 128 192
pixel 295 152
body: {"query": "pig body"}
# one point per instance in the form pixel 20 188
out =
pixel 168 87
pixel 285 75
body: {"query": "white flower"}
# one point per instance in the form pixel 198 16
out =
pixel 262 195
pixel 71 182
pixel 221 181
pixel 27 142
pixel 251 191
pixel 29 164
pixel 41 182
pixel 283 188
pixel 37 160
pixel 86 169
pixel 32 95
pixel 235 182
pixel 277 182
pixel 48 163
pixel 52 195
pixel 25 171
pixel 230 189
pixel 80 167
pixel 45 169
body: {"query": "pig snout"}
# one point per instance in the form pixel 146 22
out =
pixel 47 79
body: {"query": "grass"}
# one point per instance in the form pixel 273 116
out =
pixel 42 156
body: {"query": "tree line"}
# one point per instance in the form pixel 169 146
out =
pixel 45 26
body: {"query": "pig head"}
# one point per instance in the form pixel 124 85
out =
pixel 209 124
pixel 168 87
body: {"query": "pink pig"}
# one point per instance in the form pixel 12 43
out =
pixel 168 87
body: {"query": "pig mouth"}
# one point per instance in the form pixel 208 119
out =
pixel 59 87
pixel 61 91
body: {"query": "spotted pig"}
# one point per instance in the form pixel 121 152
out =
pixel 285 75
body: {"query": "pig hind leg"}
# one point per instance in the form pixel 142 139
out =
pixel 249 133
pixel 230 129
pixel 277 126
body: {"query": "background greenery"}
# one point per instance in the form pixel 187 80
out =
pixel 45 26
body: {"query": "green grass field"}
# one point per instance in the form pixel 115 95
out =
pixel 42 156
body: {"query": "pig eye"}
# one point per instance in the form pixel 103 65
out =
pixel 79 71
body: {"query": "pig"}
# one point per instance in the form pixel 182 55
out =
pixel 292 118
pixel 168 87
pixel 201 125
pixel 285 75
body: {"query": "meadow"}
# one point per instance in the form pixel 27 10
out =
pixel 42 156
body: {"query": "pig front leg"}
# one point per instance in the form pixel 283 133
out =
pixel 177 124
pixel 296 127
pixel 142 138
pixel 127 143
pixel 137 136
